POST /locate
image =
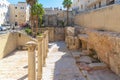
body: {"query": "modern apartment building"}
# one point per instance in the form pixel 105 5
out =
pixel 4 12
pixel 83 5
pixel 19 13
pixel 93 4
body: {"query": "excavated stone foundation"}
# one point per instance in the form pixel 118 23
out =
pixel 99 44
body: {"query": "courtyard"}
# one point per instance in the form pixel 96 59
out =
pixel 60 40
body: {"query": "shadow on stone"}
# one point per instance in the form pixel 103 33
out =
pixel 24 77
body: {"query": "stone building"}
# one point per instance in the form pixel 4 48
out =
pixel 19 13
pixel 56 17
pixel 4 16
pixel 84 5
pixel 94 4
pixel 79 5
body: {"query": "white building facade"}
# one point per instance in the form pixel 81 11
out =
pixel 83 5
pixel 79 5
pixel 94 4
pixel 4 12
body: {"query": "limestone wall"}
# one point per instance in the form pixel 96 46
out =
pixel 9 42
pixel 23 39
pixel 10 45
pixel 55 34
pixel 106 18
pixel 59 34
pixel 107 46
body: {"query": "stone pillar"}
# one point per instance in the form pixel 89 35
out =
pixel 31 60
pixel 47 41
pixel 40 57
pixel 44 54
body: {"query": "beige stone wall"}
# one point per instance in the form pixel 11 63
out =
pixel 57 18
pixel 105 18
pixel 59 34
pixel 55 34
pixel 107 46
pixel 103 43
pixel 9 42
pixel 23 38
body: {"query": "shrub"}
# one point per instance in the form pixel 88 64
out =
pixel 28 31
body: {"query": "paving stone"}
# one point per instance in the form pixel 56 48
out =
pixel 76 54
pixel 85 59
pixel 97 66
pixel 105 74
pixel 14 66
pixel 64 68
pixel 84 53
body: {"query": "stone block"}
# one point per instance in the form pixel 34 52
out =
pixel 72 42
pixel 76 54
pixel 85 59
pixel 97 66
pixel 69 31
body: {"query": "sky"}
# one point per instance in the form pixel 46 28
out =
pixel 46 3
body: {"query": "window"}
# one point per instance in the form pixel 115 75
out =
pixel 95 6
pixel 21 7
pixel 4 13
pixel 81 6
pixel 15 7
pixel 110 2
pixel 99 4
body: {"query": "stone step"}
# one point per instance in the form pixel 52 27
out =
pixel 76 54
pixel 84 59
pixel 97 66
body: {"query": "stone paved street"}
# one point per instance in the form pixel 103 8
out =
pixel 14 66
pixel 60 65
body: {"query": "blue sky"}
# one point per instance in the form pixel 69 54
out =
pixel 46 3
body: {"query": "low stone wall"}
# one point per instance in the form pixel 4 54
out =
pixel 71 39
pixel 7 39
pixel 59 34
pixel 11 41
pixel 106 18
pixel 55 33
pixel 72 42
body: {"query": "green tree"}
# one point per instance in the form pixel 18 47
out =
pixel 31 2
pixel 32 18
pixel 38 11
pixel 67 4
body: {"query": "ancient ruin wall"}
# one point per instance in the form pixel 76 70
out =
pixel 107 18
pixel 55 33
pixel 107 46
